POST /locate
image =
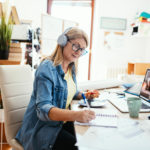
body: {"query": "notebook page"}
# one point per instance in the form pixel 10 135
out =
pixel 105 118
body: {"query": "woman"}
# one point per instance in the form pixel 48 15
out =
pixel 47 122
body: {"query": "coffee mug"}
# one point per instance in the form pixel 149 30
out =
pixel 134 105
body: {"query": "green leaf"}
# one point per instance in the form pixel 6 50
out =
pixel 5 33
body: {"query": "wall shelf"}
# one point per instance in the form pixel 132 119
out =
pixel 8 62
pixel 138 68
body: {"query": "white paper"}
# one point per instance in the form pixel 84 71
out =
pixel 106 118
pixel 112 139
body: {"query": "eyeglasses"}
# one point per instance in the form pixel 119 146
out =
pixel 76 47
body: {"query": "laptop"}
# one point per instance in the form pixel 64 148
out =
pixel 121 103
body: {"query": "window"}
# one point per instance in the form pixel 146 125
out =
pixel 80 12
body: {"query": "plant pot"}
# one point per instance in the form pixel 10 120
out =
pixel 4 54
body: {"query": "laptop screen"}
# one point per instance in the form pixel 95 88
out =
pixel 145 90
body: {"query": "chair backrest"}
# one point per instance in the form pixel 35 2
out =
pixel 16 84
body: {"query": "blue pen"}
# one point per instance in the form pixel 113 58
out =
pixel 85 101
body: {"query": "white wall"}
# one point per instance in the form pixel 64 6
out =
pixel 30 10
pixel 131 48
pixel 147 58
pixel 77 14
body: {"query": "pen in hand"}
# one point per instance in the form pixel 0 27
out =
pixel 85 101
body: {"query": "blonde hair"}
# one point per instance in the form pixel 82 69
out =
pixel 57 55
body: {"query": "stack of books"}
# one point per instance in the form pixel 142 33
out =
pixel 15 52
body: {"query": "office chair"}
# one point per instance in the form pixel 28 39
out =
pixel 16 86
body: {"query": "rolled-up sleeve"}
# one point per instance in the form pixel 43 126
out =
pixel 43 96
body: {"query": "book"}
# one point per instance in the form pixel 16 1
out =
pixel 13 44
pixel 15 56
pixel 105 118
pixel 15 50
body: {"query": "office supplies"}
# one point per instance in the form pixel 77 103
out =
pixel 121 103
pixel 121 93
pixel 95 103
pixel 98 103
pixel 85 101
pixel 135 89
pixel 105 118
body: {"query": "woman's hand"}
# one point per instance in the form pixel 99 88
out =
pixel 90 94
pixel 85 116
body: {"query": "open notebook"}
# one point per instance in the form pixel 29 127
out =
pixel 105 118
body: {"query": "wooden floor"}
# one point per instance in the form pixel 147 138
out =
pixel 4 145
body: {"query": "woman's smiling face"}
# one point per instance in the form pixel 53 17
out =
pixel 69 53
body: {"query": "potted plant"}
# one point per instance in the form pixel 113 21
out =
pixel 5 36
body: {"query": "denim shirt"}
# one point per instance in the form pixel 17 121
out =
pixel 38 131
